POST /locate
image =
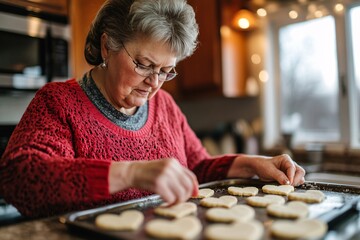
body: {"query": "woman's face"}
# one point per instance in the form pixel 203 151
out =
pixel 124 87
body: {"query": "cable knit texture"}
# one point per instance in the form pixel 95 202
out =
pixel 58 157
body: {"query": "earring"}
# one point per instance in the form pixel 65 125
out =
pixel 103 65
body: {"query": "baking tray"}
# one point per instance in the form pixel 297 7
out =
pixel 340 200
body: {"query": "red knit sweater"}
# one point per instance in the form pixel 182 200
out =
pixel 58 157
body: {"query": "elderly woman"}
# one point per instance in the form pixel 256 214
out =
pixel 114 135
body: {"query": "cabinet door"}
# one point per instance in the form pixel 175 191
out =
pixel 200 74
pixel 82 12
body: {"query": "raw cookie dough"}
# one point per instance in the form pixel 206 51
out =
pixel 187 227
pixel 244 192
pixel 258 201
pixel 294 209
pixel 176 211
pixel 204 193
pixel 310 196
pixel 251 230
pixel 302 228
pixel 223 201
pixel 278 190
pixel 129 220
pixel 239 213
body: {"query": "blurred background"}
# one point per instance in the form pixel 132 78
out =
pixel 268 77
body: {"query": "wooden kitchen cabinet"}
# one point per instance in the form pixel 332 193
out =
pixel 57 7
pixel 200 74
pixel 82 12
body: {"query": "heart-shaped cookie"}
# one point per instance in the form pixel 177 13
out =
pixel 294 209
pixel 177 210
pixel 239 213
pixel 223 201
pixel 251 230
pixel 244 192
pixel 302 228
pixel 129 220
pixel 278 190
pixel 204 193
pixel 310 196
pixel 258 201
pixel 183 228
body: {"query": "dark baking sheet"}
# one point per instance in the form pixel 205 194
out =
pixel 340 201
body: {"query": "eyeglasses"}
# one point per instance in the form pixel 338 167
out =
pixel 146 71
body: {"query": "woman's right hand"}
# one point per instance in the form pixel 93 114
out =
pixel 166 177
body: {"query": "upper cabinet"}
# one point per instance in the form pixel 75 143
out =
pixel 57 7
pixel 219 66
pixel 200 74
pixel 82 12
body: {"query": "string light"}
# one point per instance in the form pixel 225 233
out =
pixel 261 12
pixel 263 76
pixel 339 7
pixel 311 8
pixel 293 14
pixel 244 19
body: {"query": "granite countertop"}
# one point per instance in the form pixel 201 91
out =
pixel 53 229
pixel 41 229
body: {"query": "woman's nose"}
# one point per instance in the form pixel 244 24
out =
pixel 153 80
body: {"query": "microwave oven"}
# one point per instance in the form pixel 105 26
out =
pixel 33 51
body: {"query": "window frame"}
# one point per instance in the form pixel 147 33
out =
pixel 349 126
pixel 354 106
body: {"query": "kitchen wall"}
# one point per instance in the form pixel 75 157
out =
pixel 13 105
pixel 207 114
pixel 202 114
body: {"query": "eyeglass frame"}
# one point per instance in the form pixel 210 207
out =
pixel 147 68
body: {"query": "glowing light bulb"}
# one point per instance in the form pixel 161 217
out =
pixel 293 14
pixel 261 12
pixel 244 23
pixel 339 7
pixel 244 19
pixel 263 76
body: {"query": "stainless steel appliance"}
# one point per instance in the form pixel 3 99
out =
pixel 33 51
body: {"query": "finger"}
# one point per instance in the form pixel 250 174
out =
pixel 185 179
pixel 288 166
pixel 302 181
pixel 195 191
pixel 167 194
pixel 177 180
pixel 280 177
pixel 299 176
pixel 194 183
pixel 290 173
pixel 188 180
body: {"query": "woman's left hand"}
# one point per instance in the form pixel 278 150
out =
pixel 280 168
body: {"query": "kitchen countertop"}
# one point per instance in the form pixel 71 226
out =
pixel 40 229
pixel 52 229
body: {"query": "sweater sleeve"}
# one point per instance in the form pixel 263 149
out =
pixel 40 174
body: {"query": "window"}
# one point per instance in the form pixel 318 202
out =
pixel 308 76
pixel 355 54
pixel 315 78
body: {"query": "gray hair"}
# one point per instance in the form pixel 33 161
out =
pixel 167 21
